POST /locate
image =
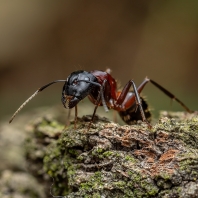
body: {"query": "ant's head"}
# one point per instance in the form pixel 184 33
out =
pixel 77 86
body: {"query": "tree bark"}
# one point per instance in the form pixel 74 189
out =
pixel 111 160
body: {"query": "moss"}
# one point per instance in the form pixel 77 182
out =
pixel 149 187
pixel 138 193
pixel 108 154
pixel 130 158
pixel 96 195
pixel 113 161
pixel 136 177
pixel 188 162
pixel 164 175
pixel 120 184
pixel 95 183
pixel 97 151
pixel 173 192
pixel 73 152
pixel 80 158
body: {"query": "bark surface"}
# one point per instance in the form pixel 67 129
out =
pixel 111 160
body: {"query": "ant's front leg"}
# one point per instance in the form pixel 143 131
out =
pixel 100 98
pixel 127 99
pixel 75 118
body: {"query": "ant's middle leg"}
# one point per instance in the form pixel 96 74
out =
pixel 125 100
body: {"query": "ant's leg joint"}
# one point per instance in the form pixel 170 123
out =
pixel 147 79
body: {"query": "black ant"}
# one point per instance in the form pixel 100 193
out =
pixel 101 88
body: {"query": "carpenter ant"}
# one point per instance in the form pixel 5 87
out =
pixel 101 88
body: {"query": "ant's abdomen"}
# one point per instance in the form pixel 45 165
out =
pixel 133 114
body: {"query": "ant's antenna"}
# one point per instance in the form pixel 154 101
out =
pixel 32 96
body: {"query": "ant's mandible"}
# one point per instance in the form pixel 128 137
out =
pixel 101 88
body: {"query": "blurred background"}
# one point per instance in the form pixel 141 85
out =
pixel 46 40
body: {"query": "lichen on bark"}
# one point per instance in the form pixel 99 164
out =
pixel 111 160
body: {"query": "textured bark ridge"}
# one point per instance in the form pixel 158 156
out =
pixel 111 160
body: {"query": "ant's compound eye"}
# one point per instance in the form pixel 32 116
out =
pixel 75 82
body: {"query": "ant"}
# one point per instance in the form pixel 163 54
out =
pixel 101 89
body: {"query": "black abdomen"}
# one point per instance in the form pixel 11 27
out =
pixel 132 115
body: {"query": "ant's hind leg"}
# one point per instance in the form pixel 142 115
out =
pixel 131 100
